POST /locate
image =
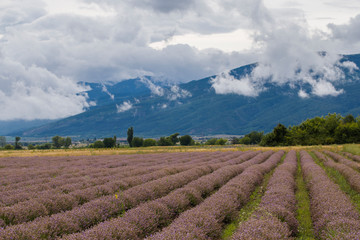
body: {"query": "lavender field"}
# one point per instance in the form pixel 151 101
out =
pixel 184 195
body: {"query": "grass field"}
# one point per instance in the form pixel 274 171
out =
pixel 353 148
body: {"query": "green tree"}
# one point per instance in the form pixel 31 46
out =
pixel 109 142
pixel 221 141
pixel 186 140
pixel 2 141
pixel 130 135
pixel 245 140
pixel 57 141
pixel 17 143
pixel 349 119
pixel 44 146
pixel 149 142
pixel 98 144
pixel 67 142
pixel 9 147
pixel 235 140
pixel 211 141
pixel 165 141
pixel 174 138
pixel 137 142
pixel 31 147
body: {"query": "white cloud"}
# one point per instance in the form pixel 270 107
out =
pixel 303 94
pixel 94 41
pixel 35 93
pixel 227 84
pixel 156 90
pixel 105 90
pixel 323 88
pixel 177 92
pixel 125 106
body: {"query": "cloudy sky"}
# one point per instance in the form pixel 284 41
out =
pixel 47 47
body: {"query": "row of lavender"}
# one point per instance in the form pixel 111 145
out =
pixel 31 170
pixel 351 175
pixel 66 185
pixel 206 220
pixel 105 207
pixel 333 214
pixel 275 217
pixel 50 203
pixel 152 216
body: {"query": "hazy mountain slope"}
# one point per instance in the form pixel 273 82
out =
pixel 201 112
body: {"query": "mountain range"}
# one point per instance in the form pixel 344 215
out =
pixel 194 108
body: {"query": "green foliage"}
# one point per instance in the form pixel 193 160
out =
pixel 221 141
pixel 31 147
pixel 330 129
pixel 164 141
pixel 9 147
pixel 211 141
pixel 235 140
pixel 57 141
pixel 44 146
pixel 2 141
pixel 130 135
pixel 245 140
pixel 186 140
pixel 137 142
pixel 17 143
pixel 174 138
pixel 67 142
pixel 169 141
pixel 98 144
pixel 252 138
pixel 109 142
pixel 149 142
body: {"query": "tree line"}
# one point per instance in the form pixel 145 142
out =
pixel 330 129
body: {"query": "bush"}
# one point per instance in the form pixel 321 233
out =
pixel 137 142
pixel 9 147
pixel 149 142
pixel 211 141
pixel 109 142
pixel 221 141
pixel 186 140
pixel 165 141
pixel 44 146
pixel 98 144
pixel 31 147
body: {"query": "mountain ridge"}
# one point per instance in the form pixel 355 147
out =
pixel 195 108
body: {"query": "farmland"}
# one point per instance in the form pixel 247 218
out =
pixel 181 193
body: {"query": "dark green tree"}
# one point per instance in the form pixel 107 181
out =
pixel 109 142
pixel 349 119
pixel 130 135
pixel 17 143
pixel 165 141
pixel 186 140
pixel 174 138
pixel 67 142
pixel 98 144
pixel 221 141
pixel 211 141
pixel 149 142
pixel 137 142
pixel 245 140
pixel 9 147
pixel 57 141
